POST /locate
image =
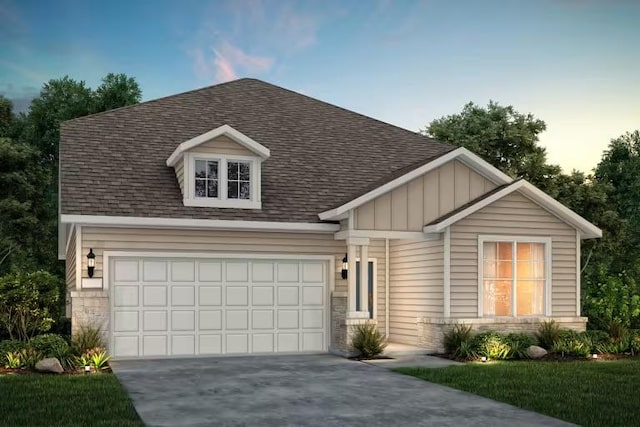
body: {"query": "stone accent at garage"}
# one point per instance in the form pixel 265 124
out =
pixel 431 330
pixel 90 308
pixel 342 329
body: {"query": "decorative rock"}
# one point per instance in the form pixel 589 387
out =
pixel 535 352
pixel 49 365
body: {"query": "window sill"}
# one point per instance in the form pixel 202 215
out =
pixel 217 203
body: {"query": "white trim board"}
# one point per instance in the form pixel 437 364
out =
pixel 190 223
pixel 587 230
pixel 379 234
pixel 225 130
pixel 461 154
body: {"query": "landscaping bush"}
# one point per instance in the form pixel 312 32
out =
pixel 454 338
pixel 88 337
pixel 492 345
pixel 466 351
pixel 572 344
pixel 597 339
pixel 10 346
pixel 548 333
pixel 28 303
pixel 518 344
pixel 367 340
pixel 611 300
pixel 50 345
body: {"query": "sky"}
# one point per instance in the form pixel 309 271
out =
pixel 573 63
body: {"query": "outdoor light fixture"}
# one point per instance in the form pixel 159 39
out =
pixel 87 369
pixel 345 266
pixel 484 359
pixel 91 262
pixel 594 356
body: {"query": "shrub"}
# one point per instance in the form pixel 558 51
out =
pixel 13 360
pixel 367 340
pixel 617 330
pixel 597 338
pixel 634 343
pixel 10 346
pixel 98 358
pixel 572 345
pixel 454 338
pixel 466 351
pixel 27 303
pixel 87 338
pixel 30 357
pixel 492 345
pixel 518 344
pixel 548 333
pixel 611 299
pixel 50 345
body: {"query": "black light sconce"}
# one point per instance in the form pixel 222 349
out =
pixel 91 262
pixel 345 266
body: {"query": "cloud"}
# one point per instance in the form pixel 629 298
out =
pixel 20 96
pixel 226 62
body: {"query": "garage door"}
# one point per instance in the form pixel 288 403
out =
pixel 189 307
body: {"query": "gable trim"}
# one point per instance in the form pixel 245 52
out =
pixel 225 130
pixel 587 230
pixel 218 224
pixel 461 154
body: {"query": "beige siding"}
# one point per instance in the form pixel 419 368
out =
pixel 416 290
pixel 222 145
pixel 70 270
pixel 422 200
pixel 512 215
pixel 180 175
pixel 376 250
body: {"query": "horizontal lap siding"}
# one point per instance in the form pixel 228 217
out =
pixel 180 175
pixel 222 145
pixel 416 290
pixel 512 215
pixel 170 240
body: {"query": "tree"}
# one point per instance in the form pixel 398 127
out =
pixel 6 115
pixel 116 90
pixel 501 136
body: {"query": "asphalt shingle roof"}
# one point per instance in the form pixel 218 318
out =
pixel 322 156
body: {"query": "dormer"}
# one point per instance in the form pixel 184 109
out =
pixel 220 168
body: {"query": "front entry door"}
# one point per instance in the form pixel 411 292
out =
pixel 370 288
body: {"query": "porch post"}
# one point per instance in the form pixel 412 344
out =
pixel 351 278
pixel 364 279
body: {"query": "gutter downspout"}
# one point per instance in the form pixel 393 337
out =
pixel 386 287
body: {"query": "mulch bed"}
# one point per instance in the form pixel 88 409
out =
pixel 25 371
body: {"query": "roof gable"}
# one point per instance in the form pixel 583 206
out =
pixel 587 229
pixel 224 130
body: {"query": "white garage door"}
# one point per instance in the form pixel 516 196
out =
pixel 188 307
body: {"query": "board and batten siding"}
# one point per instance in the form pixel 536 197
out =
pixel 417 286
pixel 413 205
pixel 515 215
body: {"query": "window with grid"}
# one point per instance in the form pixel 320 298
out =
pixel 207 179
pixel 238 180
pixel 514 278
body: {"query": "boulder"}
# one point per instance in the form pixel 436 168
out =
pixel 50 364
pixel 535 352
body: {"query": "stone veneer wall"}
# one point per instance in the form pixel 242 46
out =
pixel 431 330
pixel 341 327
pixel 90 308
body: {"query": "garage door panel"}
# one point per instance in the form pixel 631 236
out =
pixel 183 296
pixel 237 343
pixel 154 296
pixel 126 296
pixel 210 320
pixel 262 343
pixel 237 319
pixel 154 271
pixel 210 344
pixel 183 320
pixel 210 271
pixel 183 271
pixel 183 345
pixel 125 321
pixel 187 307
pixel 154 321
pixel 210 295
pixel 237 272
pixel 237 295
pixel 154 345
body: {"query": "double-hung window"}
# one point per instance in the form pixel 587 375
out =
pixel 514 279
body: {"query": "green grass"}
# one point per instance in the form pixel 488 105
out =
pixel 65 400
pixel 602 393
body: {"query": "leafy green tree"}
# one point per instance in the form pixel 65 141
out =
pixel 500 135
pixel 6 115
pixel 116 90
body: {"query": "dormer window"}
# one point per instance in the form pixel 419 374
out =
pixel 221 169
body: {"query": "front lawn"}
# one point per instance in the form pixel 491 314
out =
pixel 598 393
pixel 65 400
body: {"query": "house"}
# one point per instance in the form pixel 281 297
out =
pixel 247 218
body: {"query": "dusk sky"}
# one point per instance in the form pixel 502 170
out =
pixel 573 63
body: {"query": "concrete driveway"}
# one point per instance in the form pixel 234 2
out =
pixel 320 390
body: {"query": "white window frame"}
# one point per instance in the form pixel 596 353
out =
pixel 222 201
pixel 547 241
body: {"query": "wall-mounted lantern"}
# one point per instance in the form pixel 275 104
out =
pixel 345 266
pixel 91 262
